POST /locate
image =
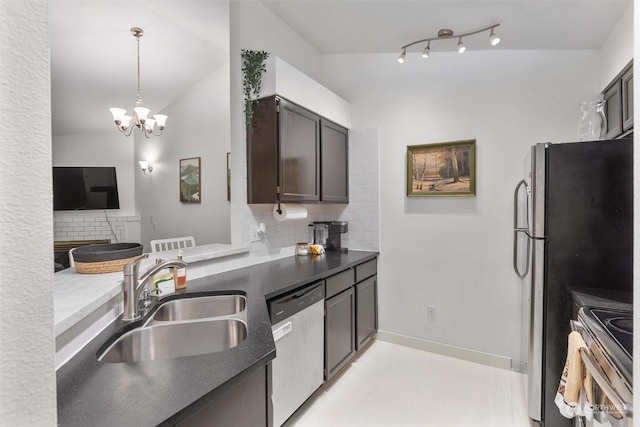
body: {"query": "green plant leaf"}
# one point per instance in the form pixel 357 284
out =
pixel 253 67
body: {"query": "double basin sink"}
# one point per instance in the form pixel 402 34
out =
pixel 186 326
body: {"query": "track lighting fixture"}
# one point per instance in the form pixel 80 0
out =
pixel 493 38
pixel 445 34
pixel 402 56
pixel 461 46
pixel 427 50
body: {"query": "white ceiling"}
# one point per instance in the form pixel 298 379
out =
pixel 376 26
pixel 93 55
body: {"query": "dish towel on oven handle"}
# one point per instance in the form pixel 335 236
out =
pixel 574 397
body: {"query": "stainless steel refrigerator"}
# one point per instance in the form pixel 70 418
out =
pixel 573 228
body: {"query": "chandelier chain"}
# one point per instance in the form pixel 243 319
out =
pixel 139 92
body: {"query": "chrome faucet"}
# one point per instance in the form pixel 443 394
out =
pixel 133 284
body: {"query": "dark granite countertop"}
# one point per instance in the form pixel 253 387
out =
pixel 162 392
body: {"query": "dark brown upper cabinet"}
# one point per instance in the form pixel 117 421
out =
pixel 627 99
pixel 335 162
pixel 619 105
pixel 295 155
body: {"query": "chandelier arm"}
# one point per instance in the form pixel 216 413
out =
pixel 128 131
pixel 452 36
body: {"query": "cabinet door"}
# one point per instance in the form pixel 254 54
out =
pixel 613 108
pixel 366 311
pixel 339 331
pixel 299 153
pixel 335 162
pixel 262 153
pixel 627 100
pixel 229 408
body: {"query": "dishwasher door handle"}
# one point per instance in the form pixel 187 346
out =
pixel 282 331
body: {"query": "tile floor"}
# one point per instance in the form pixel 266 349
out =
pixel 395 386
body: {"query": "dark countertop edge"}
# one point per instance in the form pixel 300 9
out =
pixel 602 298
pixel 257 282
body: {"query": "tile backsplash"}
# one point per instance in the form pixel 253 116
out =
pixel 112 227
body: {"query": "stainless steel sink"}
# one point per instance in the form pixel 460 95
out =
pixel 170 340
pixel 200 308
pixel 183 327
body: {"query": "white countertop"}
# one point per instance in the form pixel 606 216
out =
pixel 78 295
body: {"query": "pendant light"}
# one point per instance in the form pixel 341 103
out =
pixel 139 119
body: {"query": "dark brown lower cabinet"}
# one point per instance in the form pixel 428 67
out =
pixel 366 311
pixel 339 324
pixel 246 403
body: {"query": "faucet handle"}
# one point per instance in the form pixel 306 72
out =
pixel 144 296
pixel 131 268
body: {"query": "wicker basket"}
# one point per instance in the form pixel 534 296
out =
pixel 108 258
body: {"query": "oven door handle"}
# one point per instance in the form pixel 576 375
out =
pixel 625 409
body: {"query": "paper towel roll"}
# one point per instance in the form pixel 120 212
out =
pixel 289 212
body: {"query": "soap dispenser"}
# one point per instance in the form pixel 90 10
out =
pixel 180 274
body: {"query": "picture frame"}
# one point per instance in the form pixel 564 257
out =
pixel 190 172
pixel 445 169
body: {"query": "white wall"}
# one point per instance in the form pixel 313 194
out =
pixel 27 376
pixel 198 126
pixel 111 149
pixel 455 253
pixel 618 49
pixel 255 27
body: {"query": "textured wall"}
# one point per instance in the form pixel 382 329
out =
pixel 27 376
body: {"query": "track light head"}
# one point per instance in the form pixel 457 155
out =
pixel 403 54
pixel 461 46
pixel 427 50
pixel 493 38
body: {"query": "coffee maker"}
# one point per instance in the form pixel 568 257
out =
pixel 328 234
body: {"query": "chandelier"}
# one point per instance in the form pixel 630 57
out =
pixel 446 34
pixel 139 120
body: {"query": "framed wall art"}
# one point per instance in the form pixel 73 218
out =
pixel 190 180
pixel 442 169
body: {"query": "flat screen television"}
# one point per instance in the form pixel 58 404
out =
pixel 84 188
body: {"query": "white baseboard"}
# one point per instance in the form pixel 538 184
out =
pixel 447 350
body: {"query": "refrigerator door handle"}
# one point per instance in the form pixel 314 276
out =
pixel 518 229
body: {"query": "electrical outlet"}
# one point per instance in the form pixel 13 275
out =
pixel 431 312
pixel 254 236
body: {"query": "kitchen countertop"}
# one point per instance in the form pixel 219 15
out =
pixel 162 392
pixel 78 295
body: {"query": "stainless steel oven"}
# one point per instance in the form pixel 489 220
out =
pixel 608 335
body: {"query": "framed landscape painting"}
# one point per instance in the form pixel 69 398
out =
pixel 442 169
pixel 190 180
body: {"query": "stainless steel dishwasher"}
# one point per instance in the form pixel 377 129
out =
pixel 298 330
